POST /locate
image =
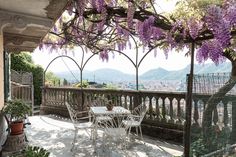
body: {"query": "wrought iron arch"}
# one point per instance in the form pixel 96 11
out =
pixel 137 62
pixel 81 67
pixel 61 56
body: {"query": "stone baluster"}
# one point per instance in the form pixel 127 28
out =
pixel 150 107
pixel 226 116
pixel 163 110
pixel 196 113
pixel 171 111
pixel 125 103
pixel 64 98
pixel 157 109
pixel 49 95
pixel 120 101
pixel 233 133
pixel 130 102
pixel 215 116
pixel 179 121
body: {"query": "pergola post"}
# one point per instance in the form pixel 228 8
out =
pixel 187 129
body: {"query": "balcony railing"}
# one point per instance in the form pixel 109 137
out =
pixel 166 113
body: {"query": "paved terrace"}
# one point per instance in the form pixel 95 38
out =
pixel 56 134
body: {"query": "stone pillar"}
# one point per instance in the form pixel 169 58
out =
pixel 1 72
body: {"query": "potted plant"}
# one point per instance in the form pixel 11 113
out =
pixel 111 101
pixel 16 112
pixel 109 105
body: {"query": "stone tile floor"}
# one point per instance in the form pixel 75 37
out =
pixel 56 134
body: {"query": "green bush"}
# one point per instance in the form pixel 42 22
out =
pixel 33 151
pixel 217 140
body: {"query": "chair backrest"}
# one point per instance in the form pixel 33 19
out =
pixel 77 116
pixel 140 110
pixel 72 112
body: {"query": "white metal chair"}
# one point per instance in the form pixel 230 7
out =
pixel 135 119
pixel 80 120
pixel 115 132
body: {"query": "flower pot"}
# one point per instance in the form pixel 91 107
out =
pixel 109 107
pixel 16 127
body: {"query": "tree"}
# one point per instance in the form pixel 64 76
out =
pixel 51 79
pixel 85 84
pixel 65 82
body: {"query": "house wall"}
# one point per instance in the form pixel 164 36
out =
pixel 1 73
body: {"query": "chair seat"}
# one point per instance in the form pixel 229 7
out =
pixel 83 125
pixel 131 123
pixel 115 132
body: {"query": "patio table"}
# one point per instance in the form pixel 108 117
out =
pixel 102 111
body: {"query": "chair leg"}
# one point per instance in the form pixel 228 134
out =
pixel 136 130
pixel 141 135
pixel 129 133
pixel 74 140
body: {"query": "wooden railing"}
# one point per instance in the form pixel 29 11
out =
pixel 166 109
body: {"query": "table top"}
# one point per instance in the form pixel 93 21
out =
pixel 102 110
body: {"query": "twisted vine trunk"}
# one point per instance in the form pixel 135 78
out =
pixel 212 103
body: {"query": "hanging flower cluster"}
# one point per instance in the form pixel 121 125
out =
pixel 220 22
pixel 104 55
pixel 211 49
pixel 130 14
pixel 147 31
pixel 194 27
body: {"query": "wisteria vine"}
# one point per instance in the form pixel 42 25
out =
pixel 102 25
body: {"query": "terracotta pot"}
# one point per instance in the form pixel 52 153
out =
pixel 17 128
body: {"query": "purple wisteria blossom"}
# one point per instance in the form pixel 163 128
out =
pixel 101 24
pixel 146 29
pixel 81 5
pixel 231 15
pixel 210 49
pixel 130 14
pixel 104 55
pixel 194 27
pixel 100 5
pixel 219 26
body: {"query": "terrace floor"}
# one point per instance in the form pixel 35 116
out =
pixel 56 134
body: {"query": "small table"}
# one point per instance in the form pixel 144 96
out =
pixel 102 111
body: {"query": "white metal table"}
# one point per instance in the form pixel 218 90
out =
pixel 102 110
pixel 99 111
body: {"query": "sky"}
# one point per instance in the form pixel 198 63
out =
pixel 175 61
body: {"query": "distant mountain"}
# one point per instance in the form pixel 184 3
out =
pixel 162 74
pixel 101 75
pixel 111 75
